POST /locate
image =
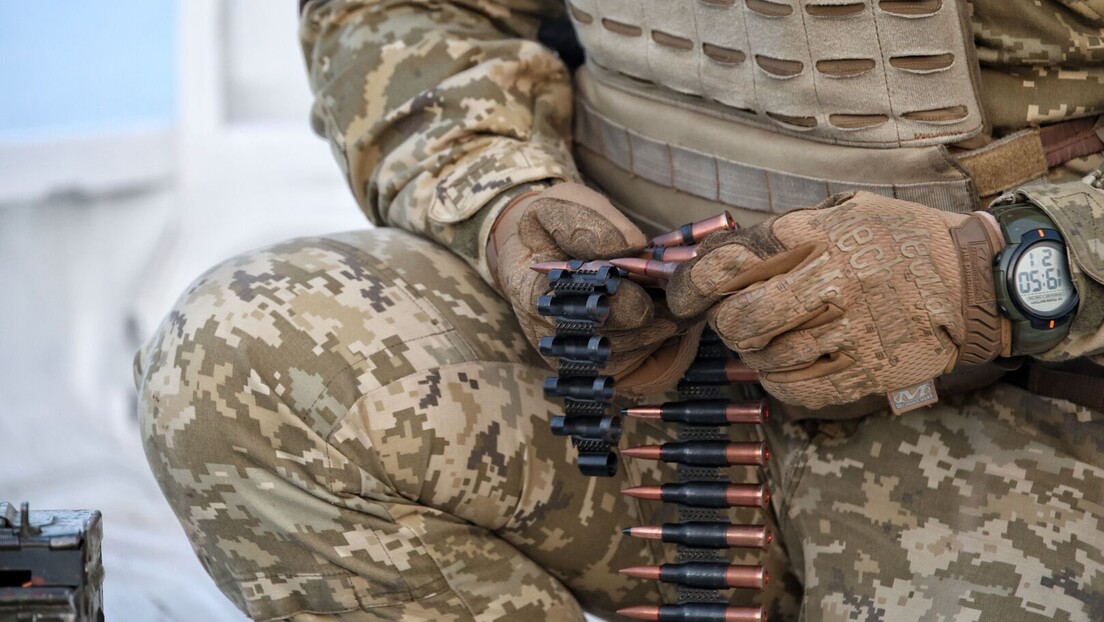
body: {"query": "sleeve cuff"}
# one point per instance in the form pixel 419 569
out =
pixel 470 197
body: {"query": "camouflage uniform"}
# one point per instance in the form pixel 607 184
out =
pixel 352 426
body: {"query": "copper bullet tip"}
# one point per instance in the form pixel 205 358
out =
pixel 547 266
pixel 652 493
pixel 651 573
pixel 642 612
pixel 632 265
pixel 643 412
pixel 646 452
pixel 648 532
pixel 646 267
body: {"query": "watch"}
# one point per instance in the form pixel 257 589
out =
pixel 1032 278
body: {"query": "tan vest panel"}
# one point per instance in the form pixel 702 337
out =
pixel 870 73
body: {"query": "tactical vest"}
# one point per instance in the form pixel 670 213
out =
pixel 764 106
pixel 687 107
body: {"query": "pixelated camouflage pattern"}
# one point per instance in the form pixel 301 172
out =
pixel 986 507
pixel 439 113
pixel 353 427
pixel 435 110
pixel 1041 61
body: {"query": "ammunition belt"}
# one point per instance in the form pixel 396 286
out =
pixel 578 304
pixel 711 354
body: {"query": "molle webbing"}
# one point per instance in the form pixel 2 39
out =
pixel 762 171
pixel 874 73
pixel 751 185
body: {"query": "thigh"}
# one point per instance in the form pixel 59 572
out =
pixel 353 426
pixel 984 507
pixel 482 450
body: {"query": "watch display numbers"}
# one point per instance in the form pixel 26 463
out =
pixel 1042 278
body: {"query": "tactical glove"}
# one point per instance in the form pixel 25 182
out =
pixel 570 221
pixel 861 295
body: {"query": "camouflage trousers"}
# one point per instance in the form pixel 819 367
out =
pixel 352 427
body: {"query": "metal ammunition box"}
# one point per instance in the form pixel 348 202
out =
pixel 51 568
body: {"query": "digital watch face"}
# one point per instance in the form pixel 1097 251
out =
pixel 1042 279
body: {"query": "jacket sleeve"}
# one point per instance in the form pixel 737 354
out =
pixel 439 111
pixel 1077 210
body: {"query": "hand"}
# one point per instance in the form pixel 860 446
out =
pixel 570 221
pixel 859 296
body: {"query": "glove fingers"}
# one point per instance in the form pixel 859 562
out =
pixel 628 360
pixel 594 230
pixel 642 338
pixel 751 319
pixel 797 348
pixel 693 286
pixel 630 308
pixel 728 267
pixel 815 386
pixel 661 370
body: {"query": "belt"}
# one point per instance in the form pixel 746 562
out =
pixel 1080 382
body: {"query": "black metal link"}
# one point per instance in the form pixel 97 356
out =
pixel 578 305
pixel 572 368
pixel 580 408
pixel 604 280
pixel 565 326
pixel 709 348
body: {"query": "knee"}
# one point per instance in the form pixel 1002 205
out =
pixel 274 349
pixel 246 380
pixel 311 323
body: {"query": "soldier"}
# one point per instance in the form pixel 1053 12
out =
pixel 351 427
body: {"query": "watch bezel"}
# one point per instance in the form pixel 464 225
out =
pixel 1038 320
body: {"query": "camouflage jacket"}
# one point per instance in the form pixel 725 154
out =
pixel 441 111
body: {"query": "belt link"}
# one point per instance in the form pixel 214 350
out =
pixel 578 305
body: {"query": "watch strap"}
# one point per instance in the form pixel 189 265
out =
pixel 988 333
